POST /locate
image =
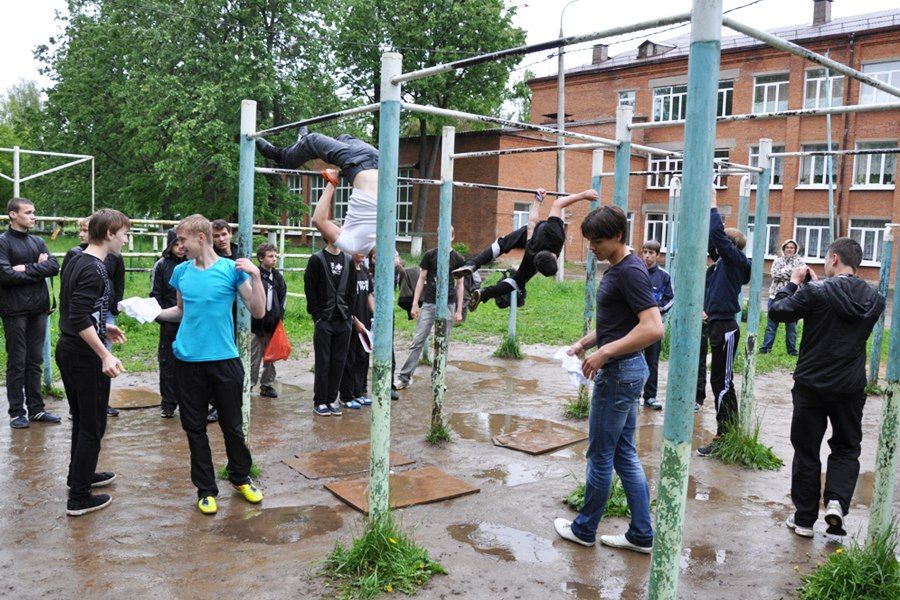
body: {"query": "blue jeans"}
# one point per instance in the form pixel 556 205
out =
pixel 613 417
pixel 772 329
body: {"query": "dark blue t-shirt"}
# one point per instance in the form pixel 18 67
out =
pixel 623 292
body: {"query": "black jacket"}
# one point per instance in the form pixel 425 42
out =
pixel 165 294
pixel 730 272
pixel 317 288
pixel 24 292
pixel 115 270
pixel 271 280
pixel 838 315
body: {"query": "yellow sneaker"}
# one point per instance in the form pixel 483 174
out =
pixel 207 505
pixel 250 492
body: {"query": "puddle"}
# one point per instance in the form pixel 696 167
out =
pixel 505 543
pixel 648 438
pixel 576 451
pixel 283 525
pixel 475 367
pixel 133 398
pixel 286 389
pixel 511 474
pixel 581 591
pixel 703 556
pixel 862 495
pixel 510 385
pixel 482 427
pixel 353 425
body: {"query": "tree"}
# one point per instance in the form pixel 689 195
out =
pixel 20 116
pixel 428 32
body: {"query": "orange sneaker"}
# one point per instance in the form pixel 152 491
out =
pixel 330 178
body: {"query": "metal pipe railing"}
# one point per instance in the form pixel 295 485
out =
pixel 505 151
pixel 484 186
pixel 837 152
pixel 359 110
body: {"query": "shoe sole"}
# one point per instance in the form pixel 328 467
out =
pixel 632 547
pixel 84 511
pixel 325 414
pixel 805 532
pixel 104 483
pixel 25 426
pixel 835 525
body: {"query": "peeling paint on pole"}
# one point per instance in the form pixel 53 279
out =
pixel 884 277
pixel 624 115
pixel 245 242
pixel 590 277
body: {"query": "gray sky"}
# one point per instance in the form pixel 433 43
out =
pixel 26 24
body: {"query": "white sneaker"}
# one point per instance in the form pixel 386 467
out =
pixel 564 529
pixel 620 541
pixel 806 532
pixel 834 516
pixel 401 385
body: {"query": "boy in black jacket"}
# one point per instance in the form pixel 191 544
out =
pixel 829 381
pixel 167 296
pixel 722 302
pixel 330 286
pixel 353 383
pixel 262 329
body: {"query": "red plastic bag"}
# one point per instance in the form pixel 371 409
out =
pixel 279 347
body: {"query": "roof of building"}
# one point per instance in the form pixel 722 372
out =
pixel 681 44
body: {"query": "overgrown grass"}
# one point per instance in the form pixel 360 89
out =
pixel 736 447
pixel 222 473
pixel 578 407
pixel 509 348
pixel 616 505
pixel 871 572
pixel 438 434
pixel 384 559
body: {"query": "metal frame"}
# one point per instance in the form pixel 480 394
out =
pixel 17 180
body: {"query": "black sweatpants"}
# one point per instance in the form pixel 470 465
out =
pixel 331 341
pixel 356 370
pixel 25 357
pixel 701 369
pixel 87 391
pixel 166 358
pixel 502 245
pixel 651 355
pixel 345 151
pixel 813 410
pixel 723 342
pixel 220 382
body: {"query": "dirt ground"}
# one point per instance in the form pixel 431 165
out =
pixel 499 543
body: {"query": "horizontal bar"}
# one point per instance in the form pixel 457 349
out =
pixel 275 171
pixel 320 119
pixel 633 173
pixel 54 169
pixel 7 177
pixel 456 114
pixel 656 151
pixel 295 294
pixel 737 166
pixel 505 151
pixel 42 153
pixel 484 186
pixel 782 44
pixel 838 152
pixel 529 48
pixel 803 112
pixel 256 227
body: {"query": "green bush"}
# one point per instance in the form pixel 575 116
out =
pixel 870 572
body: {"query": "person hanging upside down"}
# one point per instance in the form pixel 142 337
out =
pixel 542 241
pixel 358 162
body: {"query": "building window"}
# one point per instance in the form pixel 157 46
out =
pixel 874 170
pixel 773 232
pixel 813 235
pixel 777 166
pixel 663 165
pixel 870 235
pixel 770 93
pixel 721 181
pixel 657 228
pixel 887 72
pixel 521 210
pixel 670 103
pixel 725 99
pixel 812 168
pixel 627 98
pixel 342 196
pixel 814 95
pixel 404 203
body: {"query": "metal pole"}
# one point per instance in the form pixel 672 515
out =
pixel 442 279
pixel 93 187
pixel 245 240
pixel 624 113
pixel 16 178
pixel 281 235
pixel 359 110
pixel 48 360
pixel 505 151
pixel 884 278
pixel 674 219
pixel 743 219
pixel 829 161
pixel 872 151
pixel 511 324
pixel 700 136
pixel 590 278
pixel 386 234
pixel 757 266
pixel 881 518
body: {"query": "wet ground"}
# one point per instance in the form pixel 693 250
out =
pixel 499 543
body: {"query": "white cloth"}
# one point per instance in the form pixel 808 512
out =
pixel 358 230
pixel 571 364
pixel 142 309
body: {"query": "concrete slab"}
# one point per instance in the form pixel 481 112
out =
pixel 339 462
pixel 540 441
pixel 408 488
pixel 132 398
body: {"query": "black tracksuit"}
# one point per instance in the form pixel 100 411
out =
pixel 24 304
pixel 829 385
pixel 353 383
pixel 167 296
pixel 331 313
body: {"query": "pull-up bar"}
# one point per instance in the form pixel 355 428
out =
pixel 528 49
pixel 505 151
pixel 837 152
pixel 484 186
pixel 359 110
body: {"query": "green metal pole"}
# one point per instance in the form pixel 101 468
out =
pixel 245 242
pixel 757 267
pixel 386 234
pixel 829 160
pixel 700 136
pixel 881 518
pixel 674 219
pixel 622 168
pixel 743 221
pixel 442 280
pixel 590 278
pixel 884 277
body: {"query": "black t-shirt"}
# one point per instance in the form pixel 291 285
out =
pixel 624 291
pixel 364 287
pixel 429 263
pixel 335 264
pixel 83 302
pixel 548 235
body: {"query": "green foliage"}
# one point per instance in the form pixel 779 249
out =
pixel 384 559
pixel 616 504
pixel 461 248
pixel 222 473
pixel 52 391
pixel 509 349
pixel 438 434
pixel 736 447
pixel 871 572
pixel 578 407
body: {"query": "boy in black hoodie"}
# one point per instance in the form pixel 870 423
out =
pixel 829 382
pixel 262 329
pixel 722 301
pixel 167 296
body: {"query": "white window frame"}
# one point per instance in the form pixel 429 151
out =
pixel 773 232
pixel 662 163
pixel 661 222
pixel 885 71
pixel 772 93
pixel 886 165
pixel 815 162
pixel 342 195
pixel 824 238
pixel 868 230
pixel 676 95
pixel 721 181
pixel 777 167
pixel 817 78
pixel 295 186
pixel 521 210
pixel 726 93
pixel 628 98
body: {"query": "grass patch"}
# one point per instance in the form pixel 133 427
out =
pixel 873 389
pixel 51 391
pixel 509 349
pixel 736 447
pixel 222 473
pixel 578 407
pixel 616 505
pixel 870 572
pixel 384 559
pixel 438 434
